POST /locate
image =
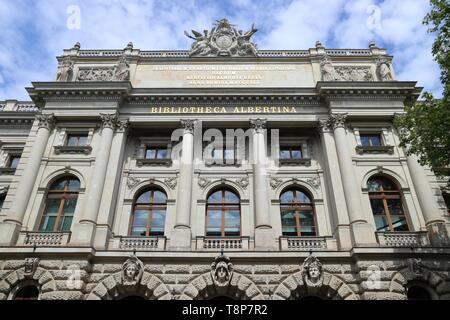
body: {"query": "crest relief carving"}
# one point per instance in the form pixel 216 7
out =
pixel 221 271
pixel 223 40
pixel 312 272
pixel 132 271
pixel 31 265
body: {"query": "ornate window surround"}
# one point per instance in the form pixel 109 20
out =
pixel 6 152
pixel 63 133
pixel 144 143
pixel 305 143
pixel 382 130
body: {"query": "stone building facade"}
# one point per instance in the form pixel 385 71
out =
pixel 114 182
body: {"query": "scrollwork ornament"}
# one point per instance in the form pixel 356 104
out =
pixel 46 121
pixel 243 182
pixel 275 182
pixel 258 125
pixel 337 120
pixel 171 182
pixel 203 182
pixel 122 125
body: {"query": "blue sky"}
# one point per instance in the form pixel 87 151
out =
pixel 34 32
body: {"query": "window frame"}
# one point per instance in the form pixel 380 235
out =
pixel 156 148
pixel 62 195
pixel 224 206
pixel 297 208
pixel 384 196
pixel 370 135
pixel 78 135
pixel 149 207
pixel 290 149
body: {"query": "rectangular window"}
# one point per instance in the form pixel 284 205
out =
pixel 76 140
pixel 13 161
pixel 156 153
pixel 2 200
pixel 371 140
pixel 291 152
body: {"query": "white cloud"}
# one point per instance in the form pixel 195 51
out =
pixel 33 33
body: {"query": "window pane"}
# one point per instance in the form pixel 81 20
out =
pixel 381 222
pixel 395 206
pixel 140 218
pixel 14 162
pixel 377 206
pixel 158 219
pixel 144 198
pixel 72 140
pixel 296 154
pixel 364 140
pixel 52 206
pixel 230 197
pixel 159 197
pixel 373 185
pixel 306 219
pixel 288 218
pixel 59 185
pixel 216 197
pixel 65 223
pixel 232 219
pixel 229 154
pixel 150 154
pixel 2 200
pixel 388 185
pixel 138 232
pixel 287 197
pixel 83 141
pixel 69 206
pixel 74 185
pixel 214 218
pixel 232 232
pixel 375 141
pixel 162 154
pixel 217 154
pixel 213 232
pixel 48 223
pixel 302 198
pixel 308 231
pixel 285 154
pixel 399 223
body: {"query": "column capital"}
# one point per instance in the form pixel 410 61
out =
pixel 324 125
pixel 258 125
pixel 122 125
pixel 337 120
pixel 188 125
pixel 46 120
pixel 109 120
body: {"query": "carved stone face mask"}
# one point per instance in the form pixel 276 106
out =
pixel 314 272
pixel 222 273
pixel 131 271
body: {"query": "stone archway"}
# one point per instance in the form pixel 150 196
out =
pixel 333 288
pixel 403 277
pixel 239 288
pixel 111 288
pixel 42 276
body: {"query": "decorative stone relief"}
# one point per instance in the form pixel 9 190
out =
pixel 327 69
pixel 122 125
pixel 171 182
pixel 337 120
pixel 31 265
pixel 354 73
pixel 132 182
pixel 258 125
pixel 203 182
pixel 312 272
pixel 415 266
pixel 243 182
pixel 223 40
pixel 96 74
pixel 122 70
pixel 315 182
pixel 221 270
pixel 384 71
pixel 65 70
pixel 132 271
pixel 275 182
pixel 46 120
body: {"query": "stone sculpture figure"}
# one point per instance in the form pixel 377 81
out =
pixel 132 271
pixel 65 71
pixel 327 69
pixel 221 270
pixel 312 272
pixel 384 71
pixel 122 71
pixel 31 265
pixel 223 40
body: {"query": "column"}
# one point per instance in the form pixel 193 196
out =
pixel 264 234
pixel 361 231
pixel 10 228
pixel 437 230
pixel 84 231
pixel 180 237
pixel 334 186
pixel 110 192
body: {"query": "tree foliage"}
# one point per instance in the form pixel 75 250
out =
pixel 425 127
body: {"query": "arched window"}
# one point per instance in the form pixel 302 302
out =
pixel 297 214
pixel 387 205
pixel 27 293
pixel 60 205
pixel 223 214
pixel 149 214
